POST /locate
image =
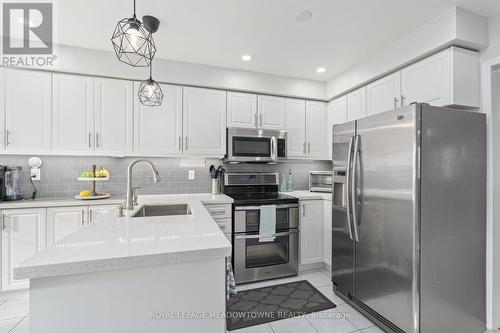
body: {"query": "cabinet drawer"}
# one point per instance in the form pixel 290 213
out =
pixel 219 211
pixel 224 225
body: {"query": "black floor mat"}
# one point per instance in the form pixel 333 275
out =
pixel 267 304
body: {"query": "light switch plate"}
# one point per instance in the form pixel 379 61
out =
pixel 35 173
pixel 191 175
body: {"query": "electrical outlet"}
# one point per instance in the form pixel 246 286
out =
pixel 35 174
pixel 191 175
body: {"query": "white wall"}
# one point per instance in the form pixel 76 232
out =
pixel 454 27
pixel 104 63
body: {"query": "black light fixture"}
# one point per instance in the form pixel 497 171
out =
pixel 150 93
pixel 133 41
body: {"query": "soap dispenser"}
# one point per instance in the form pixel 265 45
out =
pixel 290 181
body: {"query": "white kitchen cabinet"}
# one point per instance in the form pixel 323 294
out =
pixel 2 109
pixel 72 113
pixel 204 122
pixel 62 221
pixel 27 111
pixel 448 78
pixel 311 232
pixel 295 127
pixel 327 232
pixel 24 234
pixel 384 94
pixel 271 112
pixel 158 130
pixel 337 114
pixel 113 116
pixel 241 110
pixel 99 210
pixel 356 104
pixel 316 130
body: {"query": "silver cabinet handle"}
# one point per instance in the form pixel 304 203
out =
pixel 91 215
pixel 403 98
pixel 293 231
pixel 256 120
pixel 90 140
pixel 348 183
pixel 7 142
pixel 97 139
pixel 303 210
pixel 396 103
pixel 309 148
pixel 83 217
pixel 186 144
pixel 4 227
pixel 261 120
pixel 353 188
pixel 180 142
pixel 217 211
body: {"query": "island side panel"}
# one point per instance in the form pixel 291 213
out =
pixel 150 299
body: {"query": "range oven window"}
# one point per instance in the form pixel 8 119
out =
pixel 253 220
pixel 251 146
pixel 263 254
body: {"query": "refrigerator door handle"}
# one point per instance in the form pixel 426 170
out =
pixel 348 184
pixel 353 188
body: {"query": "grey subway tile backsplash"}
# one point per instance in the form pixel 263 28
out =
pixel 59 174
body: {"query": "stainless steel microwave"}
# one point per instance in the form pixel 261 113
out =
pixel 255 145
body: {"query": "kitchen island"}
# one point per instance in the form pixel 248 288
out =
pixel 133 274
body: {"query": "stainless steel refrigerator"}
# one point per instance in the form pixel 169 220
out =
pixel 409 219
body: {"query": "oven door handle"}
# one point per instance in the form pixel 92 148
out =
pixel 258 207
pixel 293 231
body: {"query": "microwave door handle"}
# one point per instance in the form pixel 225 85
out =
pixel 274 153
pixel 348 184
pixel 354 197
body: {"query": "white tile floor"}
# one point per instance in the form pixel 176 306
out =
pixel 14 312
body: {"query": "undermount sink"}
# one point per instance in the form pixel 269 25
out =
pixel 163 210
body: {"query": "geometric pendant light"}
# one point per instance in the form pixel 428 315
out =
pixel 133 42
pixel 150 93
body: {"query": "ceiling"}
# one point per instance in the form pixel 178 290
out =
pixel 340 34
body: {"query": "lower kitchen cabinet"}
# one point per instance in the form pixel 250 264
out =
pixel 98 210
pixel 311 232
pixel 23 235
pixel 327 232
pixel 62 221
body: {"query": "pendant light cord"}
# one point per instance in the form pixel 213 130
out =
pixel 151 70
pixel 134 9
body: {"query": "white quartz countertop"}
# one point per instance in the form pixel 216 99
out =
pixel 61 202
pixel 307 195
pixel 113 242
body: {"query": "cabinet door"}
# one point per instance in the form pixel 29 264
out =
pixel 2 109
pixel 63 221
pixel 241 110
pixel 384 94
pixel 295 127
pixel 356 104
pixel 204 123
pixel 98 210
pixel 24 234
pixel 311 232
pixel 316 130
pixel 113 116
pixel 271 112
pixel 337 114
pixel 72 113
pixel 327 232
pixel 428 81
pixel 27 110
pixel 158 130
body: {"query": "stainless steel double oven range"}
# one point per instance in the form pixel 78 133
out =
pixel 255 258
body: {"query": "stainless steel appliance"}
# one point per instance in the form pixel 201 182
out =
pixel 13 184
pixel 408 220
pixel 255 145
pixel 253 258
pixel 320 181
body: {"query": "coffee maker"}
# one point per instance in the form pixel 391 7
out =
pixel 3 168
pixel 11 186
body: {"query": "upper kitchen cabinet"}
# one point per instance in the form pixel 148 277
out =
pixel 2 108
pixel 204 122
pixel 113 116
pixel 448 78
pixel 295 127
pixel 271 112
pixel 241 110
pixel 158 130
pixel 336 114
pixel 27 111
pixel 384 94
pixel 72 113
pixel 316 130
pixel 356 104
